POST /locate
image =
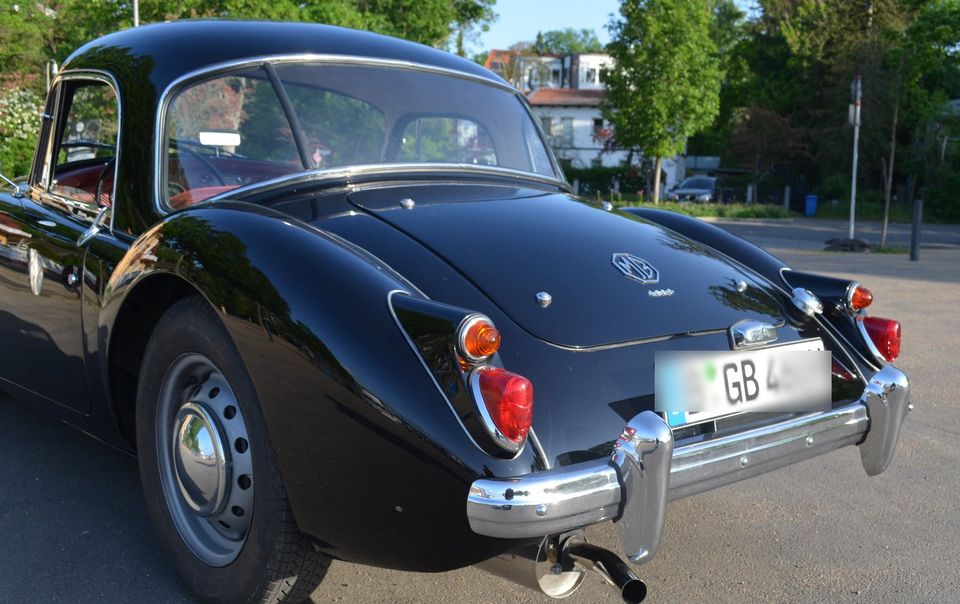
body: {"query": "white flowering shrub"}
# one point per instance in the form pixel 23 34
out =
pixel 19 128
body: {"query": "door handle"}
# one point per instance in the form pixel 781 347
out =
pixel 94 228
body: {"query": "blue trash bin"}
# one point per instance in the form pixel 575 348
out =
pixel 810 205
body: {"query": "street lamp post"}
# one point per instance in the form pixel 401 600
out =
pixel 855 116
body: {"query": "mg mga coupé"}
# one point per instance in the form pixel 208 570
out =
pixel 334 292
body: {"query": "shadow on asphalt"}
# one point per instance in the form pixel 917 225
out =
pixel 73 527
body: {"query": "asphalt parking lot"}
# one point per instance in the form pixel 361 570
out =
pixel 73 526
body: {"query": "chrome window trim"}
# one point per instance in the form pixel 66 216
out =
pixel 45 179
pixel 322 175
pixel 176 85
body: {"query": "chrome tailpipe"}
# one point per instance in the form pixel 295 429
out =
pixel 556 567
pixel 609 566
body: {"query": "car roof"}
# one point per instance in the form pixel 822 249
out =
pixel 161 53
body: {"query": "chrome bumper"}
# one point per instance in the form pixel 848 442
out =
pixel 646 469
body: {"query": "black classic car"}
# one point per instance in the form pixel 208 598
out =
pixel 334 292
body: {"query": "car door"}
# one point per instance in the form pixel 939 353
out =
pixel 70 198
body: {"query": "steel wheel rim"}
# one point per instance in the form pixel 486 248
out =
pixel 204 459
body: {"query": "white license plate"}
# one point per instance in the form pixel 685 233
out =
pixel 692 387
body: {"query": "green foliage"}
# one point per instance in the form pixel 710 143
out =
pixel 665 85
pixel 721 210
pixel 568 41
pixel 19 127
pixel 942 202
pixel 599 179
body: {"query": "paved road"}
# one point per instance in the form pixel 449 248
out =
pixel 810 234
pixel 73 527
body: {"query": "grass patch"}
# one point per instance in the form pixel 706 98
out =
pixel 899 212
pixel 717 210
pixel 890 249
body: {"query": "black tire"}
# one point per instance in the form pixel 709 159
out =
pixel 275 563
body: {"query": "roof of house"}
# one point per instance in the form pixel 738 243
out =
pixel 565 97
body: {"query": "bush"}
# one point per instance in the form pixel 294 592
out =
pixel 600 180
pixel 721 210
pixel 19 128
pixel 942 203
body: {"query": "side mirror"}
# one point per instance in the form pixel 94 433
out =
pixel 16 188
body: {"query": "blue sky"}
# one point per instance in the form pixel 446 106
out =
pixel 521 19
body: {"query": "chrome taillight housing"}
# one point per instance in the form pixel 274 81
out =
pixel 505 402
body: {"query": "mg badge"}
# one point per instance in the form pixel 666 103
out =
pixel 635 268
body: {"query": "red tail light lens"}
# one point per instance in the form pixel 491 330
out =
pixel 508 400
pixel 885 334
pixel 860 298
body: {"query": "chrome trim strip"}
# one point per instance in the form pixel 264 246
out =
pixel 211 70
pixel 423 363
pixel 321 175
pixel 570 497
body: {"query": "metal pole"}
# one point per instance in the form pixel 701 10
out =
pixel 856 154
pixel 136 13
pixel 915 233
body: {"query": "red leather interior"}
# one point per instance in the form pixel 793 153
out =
pixel 192 196
pixel 80 184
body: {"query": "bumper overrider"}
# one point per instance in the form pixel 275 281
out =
pixel 647 469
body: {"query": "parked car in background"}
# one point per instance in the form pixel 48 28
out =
pixel 702 189
pixel 332 290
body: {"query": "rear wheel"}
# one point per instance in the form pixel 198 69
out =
pixel 209 474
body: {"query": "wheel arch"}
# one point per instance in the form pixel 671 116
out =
pixel 140 311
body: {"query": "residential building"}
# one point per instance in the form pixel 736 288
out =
pixel 565 92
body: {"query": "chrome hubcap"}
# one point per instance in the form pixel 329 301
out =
pixel 204 458
pixel 199 460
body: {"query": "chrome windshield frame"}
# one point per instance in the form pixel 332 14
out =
pixel 340 172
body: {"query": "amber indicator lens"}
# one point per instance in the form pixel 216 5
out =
pixel 860 298
pixel 885 334
pixel 480 340
pixel 509 401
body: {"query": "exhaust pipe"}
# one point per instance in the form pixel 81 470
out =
pixel 609 566
pixel 538 567
pixel 556 567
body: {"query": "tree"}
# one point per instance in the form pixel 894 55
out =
pixel 665 84
pixel 569 41
pixel 762 139
pixel 468 16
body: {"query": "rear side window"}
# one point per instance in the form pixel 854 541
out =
pixel 223 133
pixel 446 139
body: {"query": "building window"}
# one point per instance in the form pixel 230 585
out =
pixel 546 122
pixel 566 131
pixel 597 125
pixel 555 77
pixel 592 75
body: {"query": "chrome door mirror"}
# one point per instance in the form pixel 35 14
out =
pixel 17 192
pixel 94 228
